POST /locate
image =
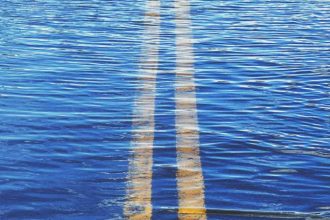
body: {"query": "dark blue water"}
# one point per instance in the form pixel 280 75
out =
pixel 69 77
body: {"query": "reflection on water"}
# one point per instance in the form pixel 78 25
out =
pixel 69 78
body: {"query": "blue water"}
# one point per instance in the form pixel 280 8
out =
pixel 69 76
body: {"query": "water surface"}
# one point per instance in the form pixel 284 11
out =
pixel 69 77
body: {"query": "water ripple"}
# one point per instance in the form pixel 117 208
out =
pixel 69 78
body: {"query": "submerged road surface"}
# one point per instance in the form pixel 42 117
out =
pixel 155 109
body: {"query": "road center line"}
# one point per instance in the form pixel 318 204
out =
pixel 189 175
pixel 138 204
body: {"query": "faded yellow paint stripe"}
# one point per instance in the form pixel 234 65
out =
pixel 138 204
pixel 189 176
pixel 192 211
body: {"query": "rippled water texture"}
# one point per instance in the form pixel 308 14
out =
pixel 69 76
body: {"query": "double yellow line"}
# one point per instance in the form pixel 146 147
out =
pixel 189 175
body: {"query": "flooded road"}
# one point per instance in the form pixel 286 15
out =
pixel 172 109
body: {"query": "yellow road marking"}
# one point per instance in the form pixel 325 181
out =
pixel 189 176
pixel 192 211
pixel 138 204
